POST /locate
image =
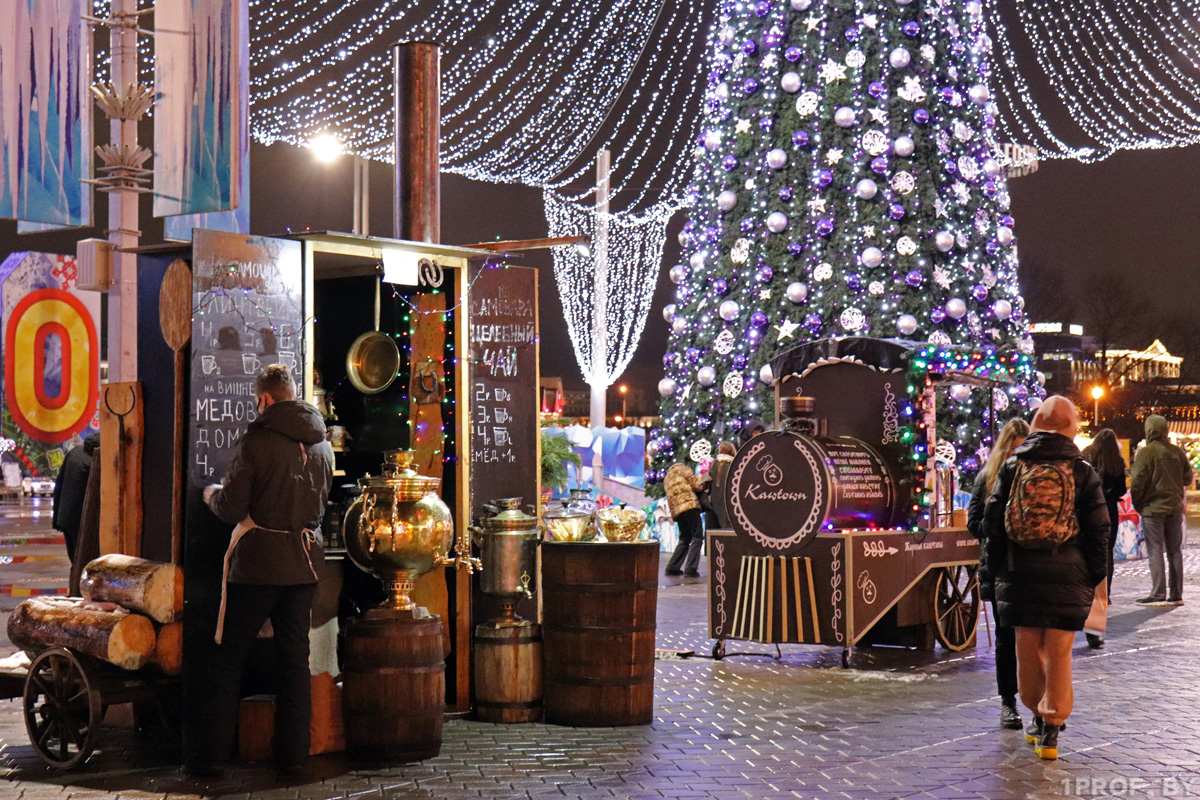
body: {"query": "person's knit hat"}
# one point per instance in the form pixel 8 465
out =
pixel 1056 414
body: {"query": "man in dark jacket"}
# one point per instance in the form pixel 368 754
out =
pixel 70 487
pixel 1046 594
pixel 275 492
pixel 1161 474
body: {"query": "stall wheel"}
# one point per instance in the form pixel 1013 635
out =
pixel 956 606
pixel 719 649
pixel 62 708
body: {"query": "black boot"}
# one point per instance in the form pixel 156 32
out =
pixel 1034 731
pixel 1047 743
pixel 1095 640
pixel 1009 718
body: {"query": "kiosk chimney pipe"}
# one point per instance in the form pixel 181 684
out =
pixel 417 93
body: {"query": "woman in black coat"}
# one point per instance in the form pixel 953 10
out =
pixel 1046 594
pixel 1011 437
pixel 1104 454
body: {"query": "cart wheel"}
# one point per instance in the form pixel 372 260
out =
pixel 719 649
pixel 62 708
pixel 956 606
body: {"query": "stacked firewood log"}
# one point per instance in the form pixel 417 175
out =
pixel 130 615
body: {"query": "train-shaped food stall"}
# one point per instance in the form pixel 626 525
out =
pixel 843 531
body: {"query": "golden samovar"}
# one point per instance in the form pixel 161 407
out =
pixel 399 529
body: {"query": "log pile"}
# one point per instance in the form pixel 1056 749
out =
pixel 129 616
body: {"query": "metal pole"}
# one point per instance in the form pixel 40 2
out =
pixel 362 196
pixel 123 230
pixel 599 377
pixel 356 226
pixel 417 90
pixel 1096 414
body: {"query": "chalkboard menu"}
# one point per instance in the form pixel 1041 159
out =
pixel 502 397
pixel 247 312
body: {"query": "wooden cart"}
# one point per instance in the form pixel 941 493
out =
pixel 841 533
pixel 65 695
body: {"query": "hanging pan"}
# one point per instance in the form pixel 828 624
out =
pixel 373 361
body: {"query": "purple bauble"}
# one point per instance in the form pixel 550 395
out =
pixel 992 248
pixel 937 315
pixel 669 359
pixel 763 8
pixel 749 47
pixel 896 211
pixel 758 319
pixel 914 278
pixel 1020 393
pixel 950 166
pixel 947 94
pixel 739 360
pixel 921 116
pixel 989 188
pixel 1007 221
pixel 753 334
pixel 729 162
pixel 703 422
pixel 980 292
pixel 813 321
pixel 766 124
pixel 747 225
pixel 800 138
pixel 793 54
pixel 852 34
pixel 720 286
pixel 692 355
pixel 912 28
pixel 879 165
pixel 765 273
pixel 735 424
pixel 785 193
pixel 824 178
pixel 795 248
pixel 854 281
pixel 825 226
pixel 876 89
pixel 750 86
pixel 969 464
pixel 772 38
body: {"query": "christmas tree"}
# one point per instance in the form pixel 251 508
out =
pixel 848 183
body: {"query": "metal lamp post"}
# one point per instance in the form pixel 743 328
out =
pixel 1097 393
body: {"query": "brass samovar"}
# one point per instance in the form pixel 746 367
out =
pixel 399 529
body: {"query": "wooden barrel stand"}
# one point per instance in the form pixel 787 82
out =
pixel 599 620
pixel 508 673
pixel 394 687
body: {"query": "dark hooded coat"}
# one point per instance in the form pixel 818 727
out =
pixel 70 487
pixel 1161 473
pixel 1048 588
pixel 280 478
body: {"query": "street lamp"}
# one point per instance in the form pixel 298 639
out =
pixel 327 148
pixel 622 389
pixel 1097 393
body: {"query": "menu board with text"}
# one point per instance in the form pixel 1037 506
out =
pixel 502 393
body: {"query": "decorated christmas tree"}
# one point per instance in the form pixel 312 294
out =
pixel 848 183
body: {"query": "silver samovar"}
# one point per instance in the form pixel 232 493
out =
pixel 399 529
pixel 508 542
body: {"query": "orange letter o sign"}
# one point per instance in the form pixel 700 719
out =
pixel 40 315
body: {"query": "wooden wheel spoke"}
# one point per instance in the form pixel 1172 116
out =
pixel 37 681
pixel 43 730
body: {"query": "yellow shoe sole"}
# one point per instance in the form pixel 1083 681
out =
pixel 1031 739
pixel 1048 753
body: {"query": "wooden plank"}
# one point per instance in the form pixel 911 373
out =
pixel 121 468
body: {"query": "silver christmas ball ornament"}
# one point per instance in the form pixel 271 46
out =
pixel 697 259
pixel 899 58
pixel 777 158
pixel 727 199
pixel 944 240
pixel 872 257
pixel 1004 234
pixel 790 82
pixel 801 5
pixel 991 167
pixel 979 94
pixel 712 140
pixel 678 274
pixel 777 222
pixel 844 116
pixel 729 310
pixel 960 392
pixel 722 91
pixel 666 387
pixel 797 292
pixel 765 376
pixel 669 312
pixel 904 146
pixel 956 308
pixel 906 324
pixel 1002 309
pixel 866 189
pixel 678 325
pixel 706 376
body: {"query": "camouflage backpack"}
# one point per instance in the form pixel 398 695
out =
pixel 1040 514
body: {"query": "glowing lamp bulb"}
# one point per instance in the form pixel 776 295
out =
pixel 325 147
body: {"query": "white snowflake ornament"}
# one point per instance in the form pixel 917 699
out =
pixel 724 343
pixel 852 319
pixel 855 59
pixel 823 271
pixel 968 168
pixel 807 104
pixel 939 338
pixel 700 450
pixel 740 252
pixel 941 276
pixel 905 246
pixel 733 385
pixel 875 288
pixel 928 53
pixel 875 142
pixel 903 182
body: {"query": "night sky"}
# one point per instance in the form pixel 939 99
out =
pixel 1137 212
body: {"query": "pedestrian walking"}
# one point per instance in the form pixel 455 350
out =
pixel 1011 437
pixel 275 493
pixel 713 500
pixel 1104 454
pixel 1046 528
pixel 681 485
pixel 70 487
pixel 1160 476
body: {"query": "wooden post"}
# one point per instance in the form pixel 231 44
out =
pixel 121 468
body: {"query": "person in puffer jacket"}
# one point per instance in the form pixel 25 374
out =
pixel 1157 485
pixel 681 485
pixel 1046 594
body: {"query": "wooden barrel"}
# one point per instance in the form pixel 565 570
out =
pixel 508 673
pixel 598 605
pixel 394 688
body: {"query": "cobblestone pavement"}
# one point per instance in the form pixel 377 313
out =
pixel 898 724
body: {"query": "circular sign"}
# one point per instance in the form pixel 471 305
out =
pixel 778 490
pixel 50 345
